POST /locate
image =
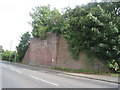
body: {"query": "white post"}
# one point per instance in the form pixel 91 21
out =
pixel 10 48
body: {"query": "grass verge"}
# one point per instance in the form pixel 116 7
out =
pixel 85 71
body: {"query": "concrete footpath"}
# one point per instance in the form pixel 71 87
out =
pixel 88 76
pixel 96 77
pixel 92 76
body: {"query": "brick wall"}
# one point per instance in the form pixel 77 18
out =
pixel 53 51
pixel 65 60
pixel 41 52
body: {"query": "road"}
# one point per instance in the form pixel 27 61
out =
pixel 23 76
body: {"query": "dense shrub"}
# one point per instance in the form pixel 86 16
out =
pixel 94 28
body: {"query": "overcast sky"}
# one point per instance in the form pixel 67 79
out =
pixel 14 17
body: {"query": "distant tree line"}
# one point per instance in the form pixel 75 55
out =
pixel 8 55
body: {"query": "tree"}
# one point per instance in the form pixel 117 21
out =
pixel 45 20
pixel 94 28
pixel 8 55
pixel 23 46
pixel 55 22
pixel 40 17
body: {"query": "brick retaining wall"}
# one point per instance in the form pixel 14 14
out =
pixel 53 51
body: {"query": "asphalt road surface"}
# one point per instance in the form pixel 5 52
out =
pixel 23 76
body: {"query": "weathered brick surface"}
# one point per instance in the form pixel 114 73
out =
pixel 53 51
pixel 41 52
pixel 65 60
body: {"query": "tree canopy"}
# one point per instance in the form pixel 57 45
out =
pixel 45 20
pixel 94 28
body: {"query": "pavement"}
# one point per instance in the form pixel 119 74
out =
pixel 27 76
pixel 97 77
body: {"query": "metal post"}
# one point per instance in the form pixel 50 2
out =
pixel 10 49
pixel 15 55
pixel 0 52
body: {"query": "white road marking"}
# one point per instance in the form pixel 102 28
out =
pixel 34 77
pixel 4 66
pixel 49 82
pixel 44 81
pixel 15 70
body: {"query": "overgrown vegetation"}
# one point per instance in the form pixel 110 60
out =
pixel 45 20
pixel 23 46
pixel 76 70
pixel 93 28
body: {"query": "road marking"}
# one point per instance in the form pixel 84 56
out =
pixel 34 77
pixel 4 66
pixel 44 81
pixel 49 82
pixel 15 70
